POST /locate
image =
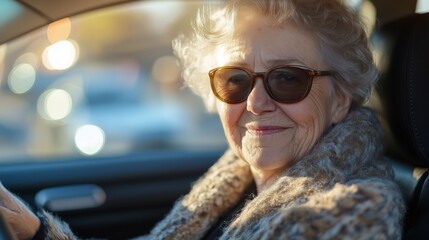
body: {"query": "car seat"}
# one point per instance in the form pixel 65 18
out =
pixel 401 101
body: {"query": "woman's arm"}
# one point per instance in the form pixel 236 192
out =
pixel 22 221
pixel 24 224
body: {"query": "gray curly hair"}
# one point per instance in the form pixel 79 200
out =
pixel 340 32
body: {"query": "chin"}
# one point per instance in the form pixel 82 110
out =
pixel 267 162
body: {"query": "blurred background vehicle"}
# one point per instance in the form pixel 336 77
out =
pixel 101 83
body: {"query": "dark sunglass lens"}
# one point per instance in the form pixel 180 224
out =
pixel 232 85
pixel 289 84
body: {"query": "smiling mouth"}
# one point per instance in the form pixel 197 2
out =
pixel 265 130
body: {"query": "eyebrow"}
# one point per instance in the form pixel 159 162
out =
pixel 238 64
pixel 276 62
pixel 272 63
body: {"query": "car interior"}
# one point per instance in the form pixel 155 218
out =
pixel 123 196
pixel 403 112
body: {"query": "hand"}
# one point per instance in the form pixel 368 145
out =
pixel 22 221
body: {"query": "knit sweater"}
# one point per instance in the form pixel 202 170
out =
pixel 342 189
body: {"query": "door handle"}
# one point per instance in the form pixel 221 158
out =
pixel 74 197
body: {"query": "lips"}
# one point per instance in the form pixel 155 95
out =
pixel 264 130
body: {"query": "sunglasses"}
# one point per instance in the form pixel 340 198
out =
pixel 284 84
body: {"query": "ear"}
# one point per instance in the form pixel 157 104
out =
pixel 341 106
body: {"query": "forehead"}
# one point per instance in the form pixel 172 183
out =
pixel 256 43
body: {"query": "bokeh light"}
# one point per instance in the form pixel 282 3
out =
pixel 54 104
pixel 22 77
pixel 89 139
pixel 60 55
pixel 30 58
pixel 166 70
pixel 58 104
pixel 59 30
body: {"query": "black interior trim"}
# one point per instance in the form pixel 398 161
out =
pixel 140 188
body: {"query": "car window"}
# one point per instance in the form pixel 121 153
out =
pixel 101 83
pixel 366 10
pixel 422 6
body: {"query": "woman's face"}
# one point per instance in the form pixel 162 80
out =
pixel 272 136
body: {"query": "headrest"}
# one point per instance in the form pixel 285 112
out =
pixel 403 88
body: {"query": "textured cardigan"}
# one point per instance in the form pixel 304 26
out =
pixel 342 189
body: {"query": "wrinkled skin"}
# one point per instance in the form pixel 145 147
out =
pixel 272 136
pixel 22 221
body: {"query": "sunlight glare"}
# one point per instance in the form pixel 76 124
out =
pixel 89 139
pixel 60 55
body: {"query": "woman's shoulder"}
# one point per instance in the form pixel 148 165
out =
pixel 372 190
pixel 362 208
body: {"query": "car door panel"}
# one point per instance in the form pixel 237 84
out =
pixel 139 189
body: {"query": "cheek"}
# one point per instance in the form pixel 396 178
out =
pixel 230 115
pixel 312 117
pixel 315 111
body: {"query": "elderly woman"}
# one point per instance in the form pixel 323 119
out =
pixel 288 79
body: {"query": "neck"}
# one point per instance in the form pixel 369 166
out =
pixel 264 179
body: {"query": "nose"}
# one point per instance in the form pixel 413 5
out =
pixel 258 101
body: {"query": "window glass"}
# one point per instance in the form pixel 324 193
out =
pixel 355 4
pixel 422 6
pixel 101 83
pixel 366 10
